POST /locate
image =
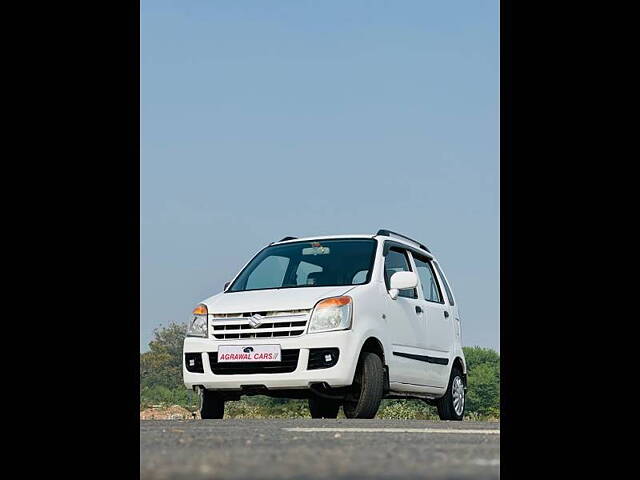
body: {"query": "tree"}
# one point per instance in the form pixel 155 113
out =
pixel 479 355
pixel 483 368
pixel 162 364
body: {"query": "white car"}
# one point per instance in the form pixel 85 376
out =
pixel 342 320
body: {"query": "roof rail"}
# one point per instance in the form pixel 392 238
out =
pixel 286 238
pixel 388 233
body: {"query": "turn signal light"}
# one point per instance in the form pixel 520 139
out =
pixel 334 302
pixel 200 310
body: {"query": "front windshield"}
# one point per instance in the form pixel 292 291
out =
pixel 320 263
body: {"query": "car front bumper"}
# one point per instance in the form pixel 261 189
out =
pixel 341 374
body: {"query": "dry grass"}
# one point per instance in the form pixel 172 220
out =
pixel 390 409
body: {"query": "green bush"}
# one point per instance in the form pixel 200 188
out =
pixel 483 369
pixel 162 364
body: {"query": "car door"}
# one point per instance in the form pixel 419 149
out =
pixel 406 324
pixel 438 320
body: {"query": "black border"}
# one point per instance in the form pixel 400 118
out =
pixel 81 390
pixel 84 271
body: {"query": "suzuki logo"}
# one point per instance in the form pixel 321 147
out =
pixel 255 320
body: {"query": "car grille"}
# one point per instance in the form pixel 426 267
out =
pixel 231 326
pixel 288 364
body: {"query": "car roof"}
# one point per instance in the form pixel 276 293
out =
pixel 412 244
pixel 322 237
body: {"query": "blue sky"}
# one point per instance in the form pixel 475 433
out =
pixel 266 119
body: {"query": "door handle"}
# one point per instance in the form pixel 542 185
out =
pixel 418 309
pixel 446 314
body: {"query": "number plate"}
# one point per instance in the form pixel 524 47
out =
pixel 249 353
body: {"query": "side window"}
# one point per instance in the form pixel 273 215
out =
pixel 446 285
pixel 308 273
pixel 397 261
pixel 428 280
pixel 271 268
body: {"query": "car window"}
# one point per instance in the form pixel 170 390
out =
pixel 322 263
pixel 263 275
pixel 308 273
pixel 397 261
pixel 446 285
pixel 430 288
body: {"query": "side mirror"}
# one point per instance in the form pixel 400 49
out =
pixel 225 286
pixel 402 281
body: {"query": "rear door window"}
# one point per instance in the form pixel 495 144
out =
pixel 446 285
pixel 430 288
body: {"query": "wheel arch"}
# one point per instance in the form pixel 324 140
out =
pixel 373 345
pixel 460 363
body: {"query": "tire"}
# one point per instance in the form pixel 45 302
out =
pixel 367 388
pixel 323 407
pixel 211 405
pixel 449 407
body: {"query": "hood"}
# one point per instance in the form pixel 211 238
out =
pixel 271 300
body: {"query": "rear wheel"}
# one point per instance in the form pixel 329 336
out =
pixel 367 388
pixel 323 407
pixel 451 406
pixel 211 405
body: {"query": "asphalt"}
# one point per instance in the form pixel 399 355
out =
pixel 268 449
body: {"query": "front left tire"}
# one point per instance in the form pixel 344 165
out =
pixel 367 388
pixel 211 405
pixel 323 407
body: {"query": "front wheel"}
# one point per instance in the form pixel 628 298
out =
pixel 367 388
pixel 211 405
pixel 323 407
pixel 451 406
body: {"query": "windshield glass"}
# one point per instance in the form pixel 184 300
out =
pixel 322 263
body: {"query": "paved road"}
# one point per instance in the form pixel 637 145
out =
pixel 318 449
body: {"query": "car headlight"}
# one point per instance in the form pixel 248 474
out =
pixel 199 324
pixel 331 314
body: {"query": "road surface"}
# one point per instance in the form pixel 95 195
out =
pixel 318 449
